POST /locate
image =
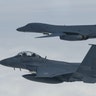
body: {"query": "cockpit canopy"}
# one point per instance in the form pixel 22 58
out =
pixel 28 54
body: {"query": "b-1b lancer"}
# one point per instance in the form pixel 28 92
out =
pixel 51 71
pixel 70 33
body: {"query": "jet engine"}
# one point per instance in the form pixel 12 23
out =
pixel 73 36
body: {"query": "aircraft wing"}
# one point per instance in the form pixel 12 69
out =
pixel 51 35
pixel 52 72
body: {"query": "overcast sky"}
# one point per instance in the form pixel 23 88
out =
pixel 16 13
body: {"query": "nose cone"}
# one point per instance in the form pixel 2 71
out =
pixel 19 29
pixel 4 62
pixel 22 29
pixel 7 62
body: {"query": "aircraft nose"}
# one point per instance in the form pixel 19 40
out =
pixel 4 62
pixel 21 29
pixel 18 29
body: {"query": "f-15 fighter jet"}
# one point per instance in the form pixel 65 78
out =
pixel 70 33
pixel 51 71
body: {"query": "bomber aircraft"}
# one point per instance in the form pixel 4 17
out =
pixel 53 72
pixel 70 33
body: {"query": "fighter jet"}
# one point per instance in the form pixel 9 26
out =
pixel 52 71
pixel 70 33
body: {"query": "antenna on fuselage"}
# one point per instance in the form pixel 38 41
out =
pixel 45 57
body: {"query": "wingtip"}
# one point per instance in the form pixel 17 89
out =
pixel 35 37
pixel 92 44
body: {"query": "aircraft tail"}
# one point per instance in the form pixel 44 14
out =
pixel 89 62
pixel 87 69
